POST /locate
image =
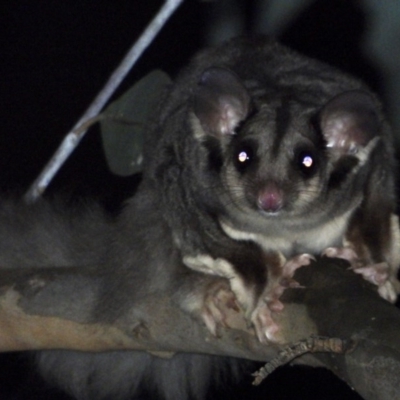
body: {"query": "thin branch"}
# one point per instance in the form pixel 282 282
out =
pixel 73 138
pixel 314 344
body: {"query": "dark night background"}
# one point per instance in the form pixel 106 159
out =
pixel 57 55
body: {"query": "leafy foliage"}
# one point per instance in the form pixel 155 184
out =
pixel 125 120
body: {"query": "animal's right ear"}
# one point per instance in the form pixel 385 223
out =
pixel 220 101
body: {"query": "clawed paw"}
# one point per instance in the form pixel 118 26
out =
pixel 345 253
pixel 265 326
pixel 262 316
pixel 217 299
pixel 296 262
pixel 378 273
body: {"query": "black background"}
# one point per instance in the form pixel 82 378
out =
pixel 57 55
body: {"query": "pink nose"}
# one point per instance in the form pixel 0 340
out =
pixel 270 199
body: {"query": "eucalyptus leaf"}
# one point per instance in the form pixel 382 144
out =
pixel 125 121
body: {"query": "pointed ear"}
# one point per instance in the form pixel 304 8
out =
pixel 221 101
pixel 349 121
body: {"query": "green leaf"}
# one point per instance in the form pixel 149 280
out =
pixel 125 121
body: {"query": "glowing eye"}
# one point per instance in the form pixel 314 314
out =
pixel 308 161
pixel 243 157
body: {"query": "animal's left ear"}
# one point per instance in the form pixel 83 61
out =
pixel 349 122
pixel 220 101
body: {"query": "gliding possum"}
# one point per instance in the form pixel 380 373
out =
pixel 276 159
pixel 259 159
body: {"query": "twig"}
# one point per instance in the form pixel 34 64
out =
pixel 314 344
pixel 73 138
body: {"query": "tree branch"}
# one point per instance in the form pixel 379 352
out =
pixel 72 139
pixel 342 305
pixel 53 308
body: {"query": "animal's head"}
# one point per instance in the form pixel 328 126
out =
pixel 278 156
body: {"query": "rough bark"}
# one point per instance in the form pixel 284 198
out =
pixel 51 308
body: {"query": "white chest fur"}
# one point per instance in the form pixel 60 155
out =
pixel 294 242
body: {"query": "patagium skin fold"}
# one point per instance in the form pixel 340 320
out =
pixel 256 156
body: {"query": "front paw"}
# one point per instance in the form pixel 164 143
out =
pixel 218 299
pixel 264 325
pixel 269 303
pixel 378 273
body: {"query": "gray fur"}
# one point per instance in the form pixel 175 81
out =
pixel 189 187
pixel 122 375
